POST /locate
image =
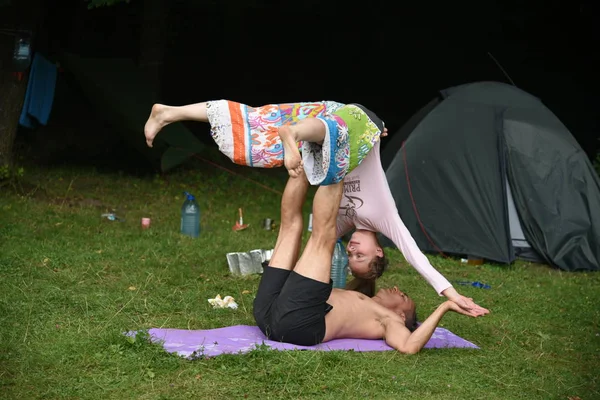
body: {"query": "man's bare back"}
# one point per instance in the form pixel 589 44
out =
pixel 357 316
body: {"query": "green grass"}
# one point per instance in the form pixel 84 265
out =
pixel 72 282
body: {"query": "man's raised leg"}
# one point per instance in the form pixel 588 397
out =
pixel 315 262
pixel 163 115
pixel 289 240
pixel 285 254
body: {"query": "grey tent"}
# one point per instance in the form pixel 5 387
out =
pixel 486 170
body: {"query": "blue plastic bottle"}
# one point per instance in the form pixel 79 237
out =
pixel 339 265
pixel 190 216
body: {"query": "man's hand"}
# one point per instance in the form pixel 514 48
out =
pixel 465 303
pixel 452 306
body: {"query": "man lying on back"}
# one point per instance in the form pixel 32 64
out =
pixel 295 302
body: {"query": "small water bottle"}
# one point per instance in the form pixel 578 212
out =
pixel 190 216
pixel 339 265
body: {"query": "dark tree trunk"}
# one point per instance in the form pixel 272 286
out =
pixel 16 17
pixel 11 101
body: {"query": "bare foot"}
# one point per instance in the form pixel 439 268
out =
pixel 291 157
pixel 155 123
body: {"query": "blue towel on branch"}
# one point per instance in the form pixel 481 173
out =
pixel 40 92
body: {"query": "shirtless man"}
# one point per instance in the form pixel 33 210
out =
pixel 295 302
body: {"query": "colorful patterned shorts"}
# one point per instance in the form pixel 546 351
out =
pixel 249 136
pixel 350 135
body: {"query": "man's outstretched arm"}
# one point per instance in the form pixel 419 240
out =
pixel 400 338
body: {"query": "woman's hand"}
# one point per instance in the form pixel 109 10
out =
pixel 466 303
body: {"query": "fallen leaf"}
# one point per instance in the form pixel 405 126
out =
pixel 45 260
pixel 98 251
pixel 131 287
pixel 246 292
pixel 543 335
pixel 58 224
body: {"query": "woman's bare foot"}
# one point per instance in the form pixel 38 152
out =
pixel 155 123
pixel 291 158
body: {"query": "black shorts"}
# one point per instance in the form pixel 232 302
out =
pixel 290 307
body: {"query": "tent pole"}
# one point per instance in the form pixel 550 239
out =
pixel 502 69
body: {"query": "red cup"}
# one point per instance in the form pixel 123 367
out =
pixel 145 223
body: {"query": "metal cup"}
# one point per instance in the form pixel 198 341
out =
pixel 268 224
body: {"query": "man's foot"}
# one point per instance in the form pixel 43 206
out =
pixel 291 158
pixel 155 123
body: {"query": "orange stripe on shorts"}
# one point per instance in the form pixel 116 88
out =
pixel 238 130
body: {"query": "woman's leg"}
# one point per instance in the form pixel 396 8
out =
pixel 306 130
pixel 163 115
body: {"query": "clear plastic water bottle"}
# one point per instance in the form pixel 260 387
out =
pixel 190 216
pixel 339 265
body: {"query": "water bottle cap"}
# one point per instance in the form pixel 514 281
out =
pixel 189 196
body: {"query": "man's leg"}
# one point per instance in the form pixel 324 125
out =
pixel 285 254
pixel 315 262
pixel 289 240
pixel 306 130
pixel 296 315
pixel 163 115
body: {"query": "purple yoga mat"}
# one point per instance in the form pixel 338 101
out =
pixel 241 339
